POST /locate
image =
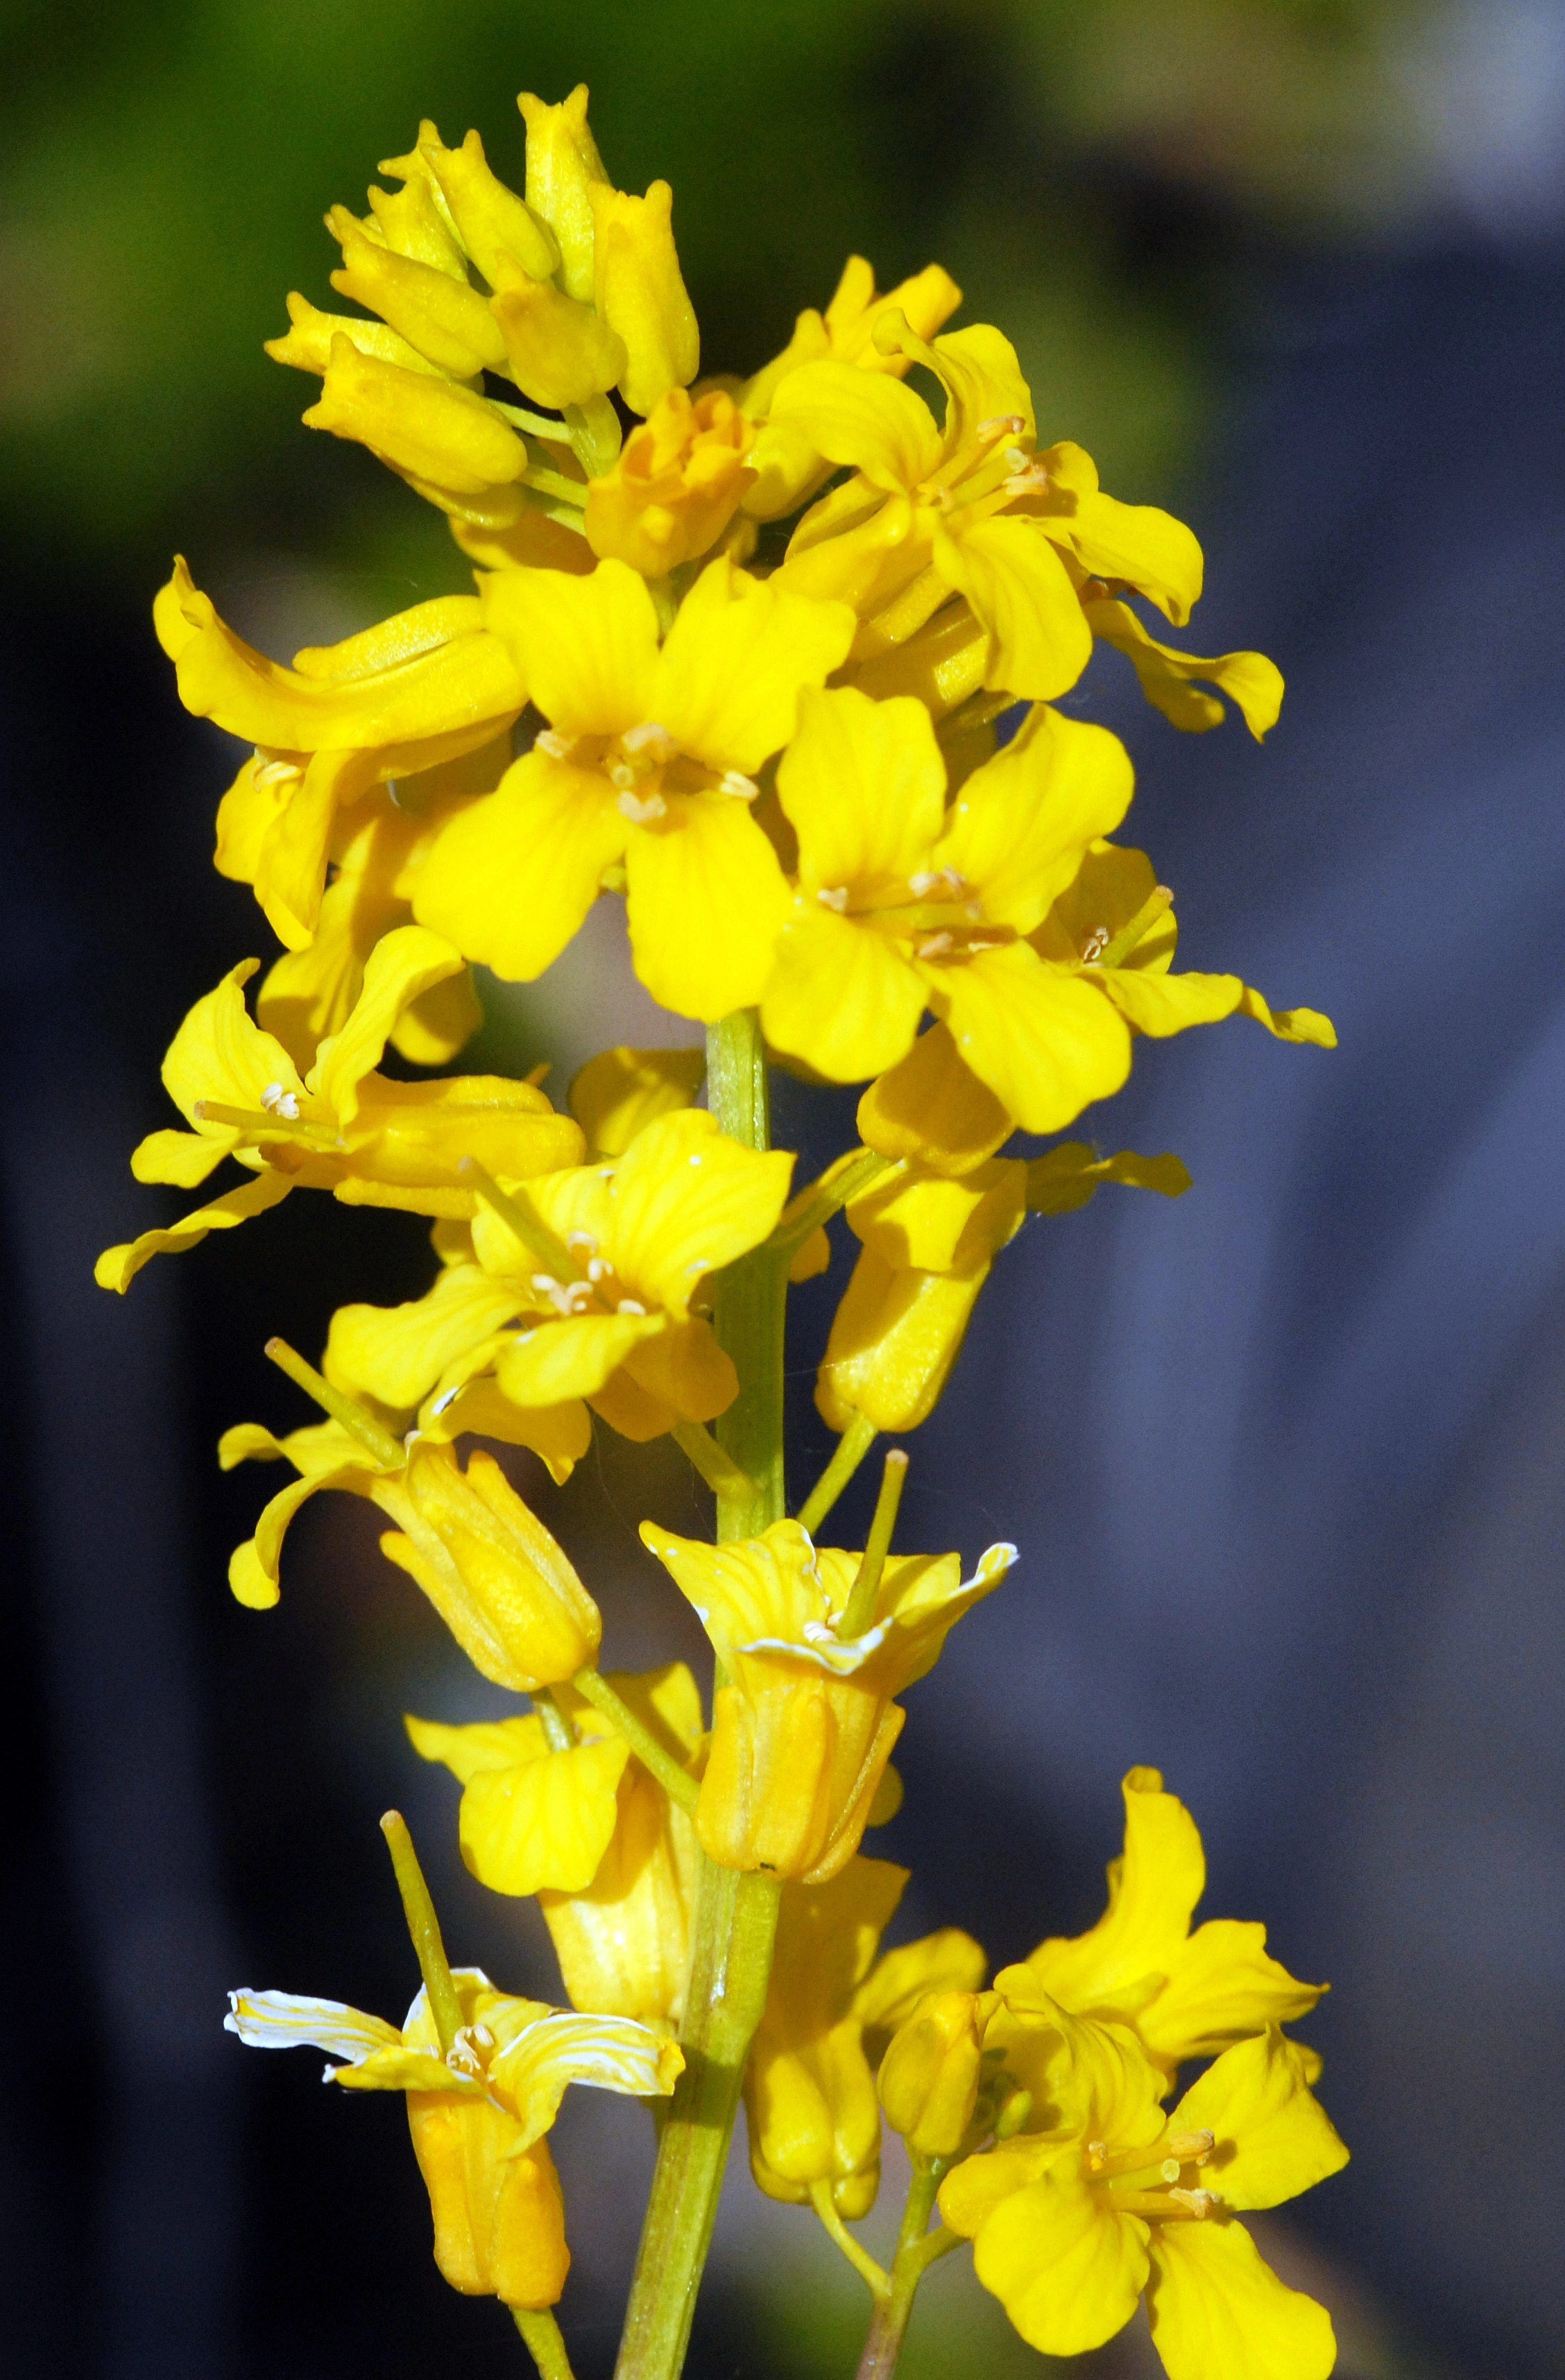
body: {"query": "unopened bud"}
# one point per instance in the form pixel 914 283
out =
pixel 929 2076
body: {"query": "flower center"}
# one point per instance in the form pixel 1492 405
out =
pixel 597 1289
pixel 943 923
pixel 645 766
pixel 1121 2176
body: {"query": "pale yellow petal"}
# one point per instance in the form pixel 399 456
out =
pixel 546 1822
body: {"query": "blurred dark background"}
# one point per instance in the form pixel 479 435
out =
pixel 1283 1458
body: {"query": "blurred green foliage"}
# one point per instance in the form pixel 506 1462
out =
pixel 166 173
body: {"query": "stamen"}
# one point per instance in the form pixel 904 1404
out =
pixel 651 739
pixel 1094 945
pixel 639 813
pixel 923 884
pixel 277 1102
pixel 833 896
pixel 553 745
pixel 1198 2203
pixel 1191 2148
pixel 999 424
pixel 273 772
pixel 600 1268
pixel 622 775
pixel 734 782
pixel 933 946
pixel 575 1239
pixel 629 1306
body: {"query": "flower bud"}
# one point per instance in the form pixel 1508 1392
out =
pixel 563 165
pixel 674 486
pixel 499 2216
pixel 639 292
pixel 444 319
pixel 929 2076
pixel 500 1581
pixel 492 221
pixel 560 353
pixel 422 426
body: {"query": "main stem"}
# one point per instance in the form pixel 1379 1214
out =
pixel 888 2325
pixel 734 1919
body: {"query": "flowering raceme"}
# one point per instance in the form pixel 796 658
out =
pixel 773 658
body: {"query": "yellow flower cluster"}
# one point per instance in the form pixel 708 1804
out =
pixel 740 652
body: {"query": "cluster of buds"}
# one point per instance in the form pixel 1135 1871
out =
pixel 774 660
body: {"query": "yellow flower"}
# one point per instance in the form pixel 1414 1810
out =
pixel 307 995
pixel 900 906
pixel 1068 2231
pixel 649 759
pixel 563 165
pixel 500 1581
pixel 928 1243
pixel 609 1320
pixel 538 1815
pixel 809 2087
pixel 932 2076
pixel 674 486
pixel 342 1128
pixel 802 1734
pixel 637 291
pixel 970 510
pixel 1187 1995
pixel 425 686
pixel 930 1232
pixel 1113 928
pixel 479 2114
pixel 787 465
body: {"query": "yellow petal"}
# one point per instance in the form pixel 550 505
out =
pixel 395 1353
pixel 949 1960
pixel 1249 679
pixel 685 1370
pixel 444 319
pixel 307 344
pixel 1147 549
pixel 1289 1024
pixel 1161 1005
pixel 941 1223
pixel 1068 1175
pixel 840 995
pixel 740 651
pixel 559 1435
pixel 1218 2311
pixel 865 419
pixel 403 964
pixel 560 352
pixel 1046 1044
pixel 894 1339
pixel 592 643
pixel 1066 2268
pixel 469 1751
pixel 686 1201
pixel 1222 1986
pixel 492 221
pixel 1274 2137
pixel 510 879
pixel 530 2074
pixel 219 1053
pixel 1039 638
pixel 637 290
pixel 621 1091
pixel 1023 821
pixel 765 1586
pixel 933 1110
pixel 118 1267
pixel 572 1357
pixel 544 1823
pixel 863 784
pixel 704 901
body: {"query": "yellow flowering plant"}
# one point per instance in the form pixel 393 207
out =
pixel 772 659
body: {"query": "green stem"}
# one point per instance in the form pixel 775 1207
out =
pixel 544 2343
pixel 696 1442
pixel 423 1927
pixel 875 2277
pixel 676 1782
pixel 852 1447
pixel 734 1917
pixel 918 2248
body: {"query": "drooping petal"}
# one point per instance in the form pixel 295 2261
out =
pixel 1046 1044
pixel 840 995
pixel 545 1822
pixel 403 966
pixel 932 1109
pixel 1022 822
pixel 1161 1005
pixel 705 902
pixel 621 1091
pixel 686 1201
pixel 470 1752
pixel 220 1052
pixel 1153 1887
pixel 1067 2269
pixel 1070 1174
pixel 941 1223
pixel 1166 675
pixel 118 1267
pixel 1218 2311
pixel 766 1586
pixel 559 1435
pixel 613 2053
pixel 868 420
pixel 894 1339
pixel 592 643
pixel 1146 548
pixel 685 1370
pixel 395 1353
pixel 983 382
pixel 1039 638
pixel 1274 2137
pixel 253 1567
pixel 1289 1024
pixel 291 2020
pixel 728 679
pixel 863 784
pixel 509 879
